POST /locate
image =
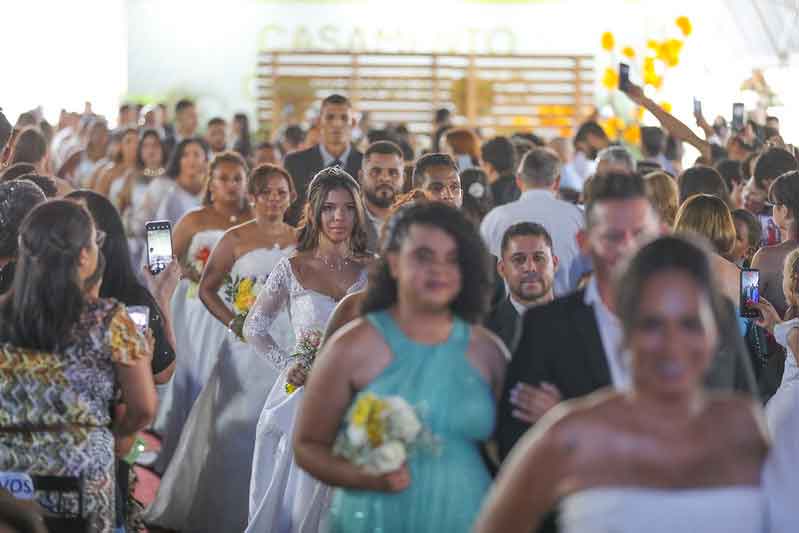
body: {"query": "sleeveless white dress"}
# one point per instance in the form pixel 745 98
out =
pixel 786 399
pixel 283 498
pixel 206 485
pixel 636 509
pixel 198 336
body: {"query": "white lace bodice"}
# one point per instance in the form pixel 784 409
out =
pixel 634 509
pixel 308 310
pixel 260 262
pixel 791 372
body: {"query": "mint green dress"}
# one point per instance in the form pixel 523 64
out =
pixel 456 403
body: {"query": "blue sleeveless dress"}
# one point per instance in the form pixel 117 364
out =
pixel 456 403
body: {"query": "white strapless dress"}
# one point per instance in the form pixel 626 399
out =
pixel 283 497
pixel 198 336
pixel 643 510
pixel 206 485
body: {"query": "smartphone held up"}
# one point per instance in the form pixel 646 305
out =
pixel 750 293
pixel 159 245
pixel 624 77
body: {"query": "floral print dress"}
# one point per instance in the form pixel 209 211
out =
pixel 55 407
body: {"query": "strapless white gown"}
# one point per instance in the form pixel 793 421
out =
pixel 786 399
pixel 198 336
pixel 643 510
pixel 283 498
pixel 206 485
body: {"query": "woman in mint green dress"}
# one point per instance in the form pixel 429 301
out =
pixel 418 340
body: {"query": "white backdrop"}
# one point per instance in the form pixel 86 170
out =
pixel 102 50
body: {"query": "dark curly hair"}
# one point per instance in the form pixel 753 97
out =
pixel 472 301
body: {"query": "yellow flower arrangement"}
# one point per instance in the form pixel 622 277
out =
pixel 245 295
pixel 684 24
pixel 628 52
pixel 610 80
pixel 608 41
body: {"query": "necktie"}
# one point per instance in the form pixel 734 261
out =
pixel 337 163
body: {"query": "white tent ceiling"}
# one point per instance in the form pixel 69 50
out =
pixel 770 28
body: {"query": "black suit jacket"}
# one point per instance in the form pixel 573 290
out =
pixel 506 323
pixel 560 344
pixel 303 165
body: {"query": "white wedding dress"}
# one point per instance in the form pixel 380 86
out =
pixel 206 485
pixel 198 336
pixel 283 498
pixel 786 399
pixel 636 509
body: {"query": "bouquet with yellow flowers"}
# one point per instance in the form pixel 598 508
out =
pixel 305 352
pixel 241 293
pixel 380 433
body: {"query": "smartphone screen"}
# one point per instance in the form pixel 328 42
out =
pixel 750 293
pixel 697 106
pixel 140 314
pixel 624 77
pixel 737 116
pixel 159 245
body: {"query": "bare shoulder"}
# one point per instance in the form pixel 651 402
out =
pixel 739 419
pixel 358 332
pixel 486 342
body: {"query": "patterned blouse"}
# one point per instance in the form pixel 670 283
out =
pixel 56 407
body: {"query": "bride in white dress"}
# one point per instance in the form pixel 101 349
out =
pixel 665 456
pixel 330 263
pixel 197 333
pixel 205 487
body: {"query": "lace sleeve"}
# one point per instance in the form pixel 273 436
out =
pixel 271 301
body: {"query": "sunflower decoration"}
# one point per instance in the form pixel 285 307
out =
pixel 650 64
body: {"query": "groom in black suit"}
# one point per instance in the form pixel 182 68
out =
pixel 528 268
pixel 335 148
pixel 572 346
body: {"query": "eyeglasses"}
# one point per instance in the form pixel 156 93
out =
pixel 99 237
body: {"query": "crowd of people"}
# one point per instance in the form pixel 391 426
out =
pixel 563 317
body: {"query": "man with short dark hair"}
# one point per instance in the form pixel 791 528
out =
pixel 574 346
pixel 335 148
pixel 436 175
pixel 499 158
pixel 770 165
pixel 441 123
pixel 216 136
pixel 588 141
pixel 538 179
pixel 528 268
pixel 185 126
pixel 381 178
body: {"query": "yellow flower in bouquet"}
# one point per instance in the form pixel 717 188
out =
pixel 245 295
pixel 367 414
pixel 610 80
pixel 305 352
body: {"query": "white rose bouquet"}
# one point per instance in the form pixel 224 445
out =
pixel 380 433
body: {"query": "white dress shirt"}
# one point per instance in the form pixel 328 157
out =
pixel 610 332
pixel 328 159
pixel 575 172
pixel 561 219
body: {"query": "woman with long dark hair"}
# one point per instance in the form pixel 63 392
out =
pixel 63 352
pixel 122 168
pixel 120 283
pixel 207 482
pixel 419 340
pixel 784 196
pixel 330 262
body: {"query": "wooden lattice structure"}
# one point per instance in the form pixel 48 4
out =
pixel 499 93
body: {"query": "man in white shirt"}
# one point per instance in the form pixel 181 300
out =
pixel 538 180
pixel 588 141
